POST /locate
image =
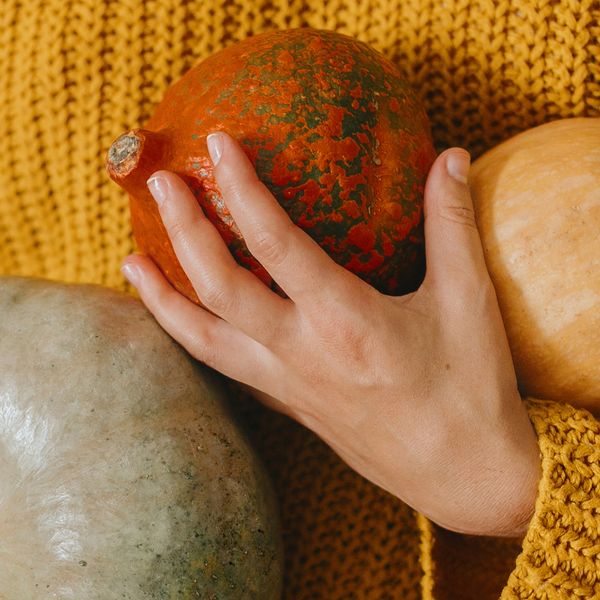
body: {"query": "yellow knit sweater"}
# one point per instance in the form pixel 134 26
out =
pixel 74 74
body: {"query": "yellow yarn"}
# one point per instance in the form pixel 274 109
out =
pixel 559 556
pixel 561 551
pixel 75 74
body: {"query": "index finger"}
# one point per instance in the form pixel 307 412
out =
pixel 295 261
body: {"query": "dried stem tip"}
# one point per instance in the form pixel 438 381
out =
pixel 124 154
pixel 134 156
pixel 123 149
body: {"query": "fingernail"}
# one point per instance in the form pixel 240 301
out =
pixel 131 273
pixel 215 147
pixel 457 164
pixel 159 188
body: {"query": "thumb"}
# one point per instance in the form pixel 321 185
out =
pixel 453 248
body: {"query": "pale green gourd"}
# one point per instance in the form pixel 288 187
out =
pixel 122 472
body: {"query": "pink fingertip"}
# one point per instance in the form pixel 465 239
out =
pixel 131 272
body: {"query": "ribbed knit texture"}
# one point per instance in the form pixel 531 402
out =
pixel 74 74
pixel 560 556
pixel 561 551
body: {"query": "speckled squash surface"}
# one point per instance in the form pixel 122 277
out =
pixel 123 475
pixel 334 131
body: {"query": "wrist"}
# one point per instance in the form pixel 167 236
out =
pixel 496 489
pixel 514 501
pixel 528 491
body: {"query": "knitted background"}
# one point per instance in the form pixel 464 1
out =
pixel 560 558
pixel 74 74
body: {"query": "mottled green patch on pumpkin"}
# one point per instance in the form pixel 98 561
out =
pixel 328 121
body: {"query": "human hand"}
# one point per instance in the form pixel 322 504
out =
pixel 417 392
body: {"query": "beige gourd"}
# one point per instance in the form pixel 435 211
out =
pixel 537 205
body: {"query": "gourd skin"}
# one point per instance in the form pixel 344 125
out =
pixel 122 474
pixel 537 206
pixel 333 130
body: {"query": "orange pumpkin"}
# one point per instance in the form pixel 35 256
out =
pixel 537 204
pixel 334 131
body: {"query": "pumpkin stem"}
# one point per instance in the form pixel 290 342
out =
pixel 133 157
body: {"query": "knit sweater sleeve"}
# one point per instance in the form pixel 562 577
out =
pixel 560 555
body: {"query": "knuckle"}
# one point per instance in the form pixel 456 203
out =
pixel 232 187
pixel 201 345
pixel 269 247
pixel 217 297
pixel 457 213
pixel 346 331
pixel 178 232
pixel 237 184
pixel 353 343
pixel 273 332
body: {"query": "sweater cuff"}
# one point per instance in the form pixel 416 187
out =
pixel 561 548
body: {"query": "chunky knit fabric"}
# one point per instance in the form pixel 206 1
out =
pixel 74 74
pixel 560 555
